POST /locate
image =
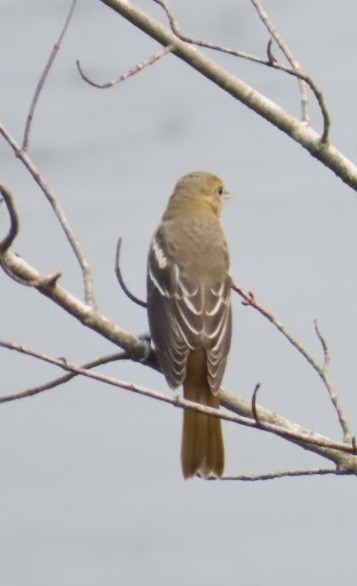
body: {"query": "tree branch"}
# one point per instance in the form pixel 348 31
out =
pixel 291 126
pixel 137 348
pixel 62 379
pixel 288 54
pixel 295 70
pixel 59 213
pixel 7 241
pixel 130 73
pixel 322 371
pixel 286 474
pixel 44 75
pixel 342 454
pixel 120 278
pixel 272 422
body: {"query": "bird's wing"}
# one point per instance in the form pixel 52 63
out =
pixel 186 313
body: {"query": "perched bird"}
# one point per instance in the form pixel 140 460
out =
pixel 189 311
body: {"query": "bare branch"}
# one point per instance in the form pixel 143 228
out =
pixel 243 407
pixel 121 281
pixel 39 87
pixel 344 455
pixel 324 138
pixel 316 145
pixel 325 347
pixel 61 380
pixel 249 299
pixel 288 54
pixel 323 373
pixel 204 44
pixel 138 349
pixel 130 73
pixel 59 213
pixel 254 402
pixel 14 220
pixel 286 474
pixel 45 280
pixel 271 58
pixel 295 70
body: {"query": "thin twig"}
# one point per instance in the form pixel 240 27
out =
pixel 272 62
pixel 121 281
pixel 303 437
pixel 39 87
pixel 60 215
pixel 323 373
pixel 271 58
pixel 249 299
pixel 286 474
pixel 264 17
pixel 326 120
pixel 204 44
pixel 324 345
pixel 14 220
pixel 239 90
pixel 254 402
pixel 132 71
pixel 63 379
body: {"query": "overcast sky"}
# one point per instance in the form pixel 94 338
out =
pixel 91 486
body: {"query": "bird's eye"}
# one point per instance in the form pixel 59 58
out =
pixel 220 190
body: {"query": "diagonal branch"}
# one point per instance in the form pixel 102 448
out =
pixel 344 455
pixel 59 213
pixel 138 349
pixel 62 379
pixel 269 420
pixel 44 75
pixel 322 371
pixel 294 70
pixel 306 137
pixel 286 474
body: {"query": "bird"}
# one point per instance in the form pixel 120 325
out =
pixel 189 311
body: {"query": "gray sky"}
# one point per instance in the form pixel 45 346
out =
pixel 91 487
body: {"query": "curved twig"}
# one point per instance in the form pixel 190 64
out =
pixel 254 402
pixel 326 120
pixel 294 70
pixel 204 44
pixel 14 220
pixel 316 145
pixel 39 87
pixel 132 71
pixel 121 281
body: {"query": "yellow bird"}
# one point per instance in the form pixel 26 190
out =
pixel 189 311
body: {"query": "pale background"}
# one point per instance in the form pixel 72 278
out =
pixel 90 485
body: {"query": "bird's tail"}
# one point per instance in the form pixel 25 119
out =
pixel 202 450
